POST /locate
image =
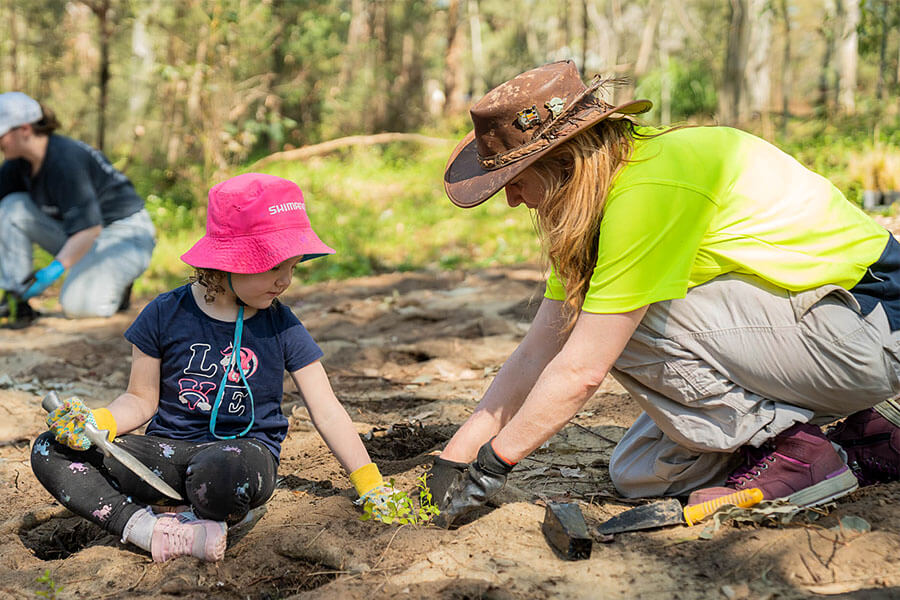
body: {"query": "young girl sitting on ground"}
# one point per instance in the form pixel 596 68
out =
pixel 208 360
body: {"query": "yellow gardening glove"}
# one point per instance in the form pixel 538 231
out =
pixel 67 423
pixel 378 498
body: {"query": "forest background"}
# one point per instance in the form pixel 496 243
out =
pixel 183 94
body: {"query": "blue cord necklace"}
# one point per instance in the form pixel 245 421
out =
pixel 235 360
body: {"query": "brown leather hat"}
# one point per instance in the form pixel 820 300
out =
pixel 518 122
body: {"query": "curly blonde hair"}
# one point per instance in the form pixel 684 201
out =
pixel 577 177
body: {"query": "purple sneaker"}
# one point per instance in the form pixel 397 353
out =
pixel 872 444
pixel 799 465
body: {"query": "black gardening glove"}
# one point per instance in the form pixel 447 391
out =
pixel 485 477
pixel 442 475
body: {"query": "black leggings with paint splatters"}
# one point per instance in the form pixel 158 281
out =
pixel 221 480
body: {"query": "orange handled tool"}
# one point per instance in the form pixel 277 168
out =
pixel 694 513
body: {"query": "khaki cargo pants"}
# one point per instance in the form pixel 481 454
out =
pixel 736 362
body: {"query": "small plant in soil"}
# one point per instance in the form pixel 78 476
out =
pixel 52 588
pixel 402 509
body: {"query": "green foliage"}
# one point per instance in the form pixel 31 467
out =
pixel 877 19
pixel 385 210
pixel 692 88
pixel 52 588
pixel 401 509
pixel 834 147
pixel 381 209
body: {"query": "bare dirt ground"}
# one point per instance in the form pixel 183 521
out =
pixel 409 354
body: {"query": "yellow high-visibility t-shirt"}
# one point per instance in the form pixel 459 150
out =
pixel 699 202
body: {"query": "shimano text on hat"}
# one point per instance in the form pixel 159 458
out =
pixel 279 208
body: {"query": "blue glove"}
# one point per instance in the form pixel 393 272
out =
pixel 44 278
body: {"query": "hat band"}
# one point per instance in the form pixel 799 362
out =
pixel 551 130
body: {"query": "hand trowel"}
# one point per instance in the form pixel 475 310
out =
pixel 670 512
pixel 99 438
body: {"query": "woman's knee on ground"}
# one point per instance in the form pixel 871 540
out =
pixel 628 476
pixel 80 299
pixel 646 463
pixel 14 207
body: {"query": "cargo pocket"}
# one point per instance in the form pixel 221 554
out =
pixel 891 343
pixel 830 313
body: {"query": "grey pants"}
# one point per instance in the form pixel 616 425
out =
pixel 95 285
pixel 736 362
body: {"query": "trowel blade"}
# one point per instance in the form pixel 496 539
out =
pixel 656 514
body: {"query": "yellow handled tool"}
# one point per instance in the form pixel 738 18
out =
pixel 670 512
pixel 694 513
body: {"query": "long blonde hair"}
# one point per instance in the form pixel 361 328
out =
pixel 577 177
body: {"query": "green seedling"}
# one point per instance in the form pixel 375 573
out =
pixel 52 588
pixel 401 509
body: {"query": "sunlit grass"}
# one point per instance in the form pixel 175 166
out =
pixel 384 208
pixel 386 211
pixel 381 210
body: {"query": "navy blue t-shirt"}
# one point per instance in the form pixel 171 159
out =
pixel 75 185
pixel 194 348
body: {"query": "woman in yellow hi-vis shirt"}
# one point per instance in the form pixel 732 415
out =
pixel 739 297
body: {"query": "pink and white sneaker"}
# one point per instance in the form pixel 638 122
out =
pixel 176 535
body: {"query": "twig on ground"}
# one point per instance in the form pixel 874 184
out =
pixel 753 554
pixel 14 442
pixel 139 579
pixel 590 431
pixel 815 577
pixel 386 548
pixel 309 543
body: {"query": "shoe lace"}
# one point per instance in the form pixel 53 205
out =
pixel 873 469
pixel 754 462
pixel 179 539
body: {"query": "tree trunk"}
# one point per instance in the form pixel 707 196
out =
pixel 585 34
pixel 14 83
pixel 848 55
pixel 882 50
pixel 616 41
pixel 102 10
pixel 609 56
pixel 665 86
pixel 896 80
pixel 825 75
pixel 732 93
pixel 408 86
pixel 478 85
pixel 454 67
pixel 648 38
pixel 785 68
pixel 357 40
pixel 142 60
pixel 757 75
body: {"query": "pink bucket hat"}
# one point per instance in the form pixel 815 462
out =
pixel 253 223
